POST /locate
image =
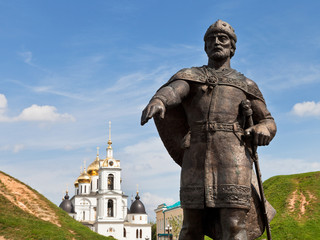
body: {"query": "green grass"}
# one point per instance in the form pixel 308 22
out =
pixel 16 224
pixel 293 225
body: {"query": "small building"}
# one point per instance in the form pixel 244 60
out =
pixel 169 221
pixel 100 204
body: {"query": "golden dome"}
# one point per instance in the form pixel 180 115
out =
pixel 76 183
pixel 94 166
pixel 84 177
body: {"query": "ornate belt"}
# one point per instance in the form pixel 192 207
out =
pixel 215 126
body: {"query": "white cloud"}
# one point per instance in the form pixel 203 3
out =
pixel 43 113
pixel 306 109
pixel 149 158
pixel 3 102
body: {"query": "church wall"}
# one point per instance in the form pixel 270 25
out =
pixel 138 218
pixel 124 207
pixel 94 184
pixel 142 231
pixel 84 188
pixel 110 229
pixel 85 207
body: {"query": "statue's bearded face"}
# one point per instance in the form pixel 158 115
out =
pixel 218 46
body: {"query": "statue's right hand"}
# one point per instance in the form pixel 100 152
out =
pixel 156 106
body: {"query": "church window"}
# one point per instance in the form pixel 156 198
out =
pixel 140 233
pixel 140 217
pixel 137 233
pixel 110 208
pixel 97 184
pixel 110 182
pixel 85 189
pixel 132 217
pixel 124 232
pixel 84 215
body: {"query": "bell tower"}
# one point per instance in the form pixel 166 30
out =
pixel 110 201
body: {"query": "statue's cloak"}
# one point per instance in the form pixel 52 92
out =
pixel 174 137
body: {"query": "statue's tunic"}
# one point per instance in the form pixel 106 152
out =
pixel 216 163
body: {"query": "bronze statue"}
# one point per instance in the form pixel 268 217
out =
pixel 201 121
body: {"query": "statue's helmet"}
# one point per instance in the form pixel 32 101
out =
pixel 221 26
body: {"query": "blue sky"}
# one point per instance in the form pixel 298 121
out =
pixel 69 67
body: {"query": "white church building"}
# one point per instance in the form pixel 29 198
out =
pixel 100 204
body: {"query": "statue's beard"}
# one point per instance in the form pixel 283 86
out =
pixel 220 55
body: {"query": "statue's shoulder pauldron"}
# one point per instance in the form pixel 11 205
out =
pixel 238 80
pixel 253 90
pixel 194 74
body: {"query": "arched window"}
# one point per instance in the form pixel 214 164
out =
pixel 140 233
pixel 85 189
pixel 110 182
pixel 137 234
pixel 95 212
pixel 97 184
pixel 124 232
pixel 110 208
pixel 84 215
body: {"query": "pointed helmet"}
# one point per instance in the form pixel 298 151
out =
pixel 221 26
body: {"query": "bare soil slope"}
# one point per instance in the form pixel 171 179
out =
pixel 26 214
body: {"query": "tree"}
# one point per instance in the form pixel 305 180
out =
pixel 154 231
pixel 176 224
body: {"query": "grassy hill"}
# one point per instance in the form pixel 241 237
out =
pixel 297 201
pixel 26 214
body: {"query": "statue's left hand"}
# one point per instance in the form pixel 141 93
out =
pixel 260 133
pixel 156 106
